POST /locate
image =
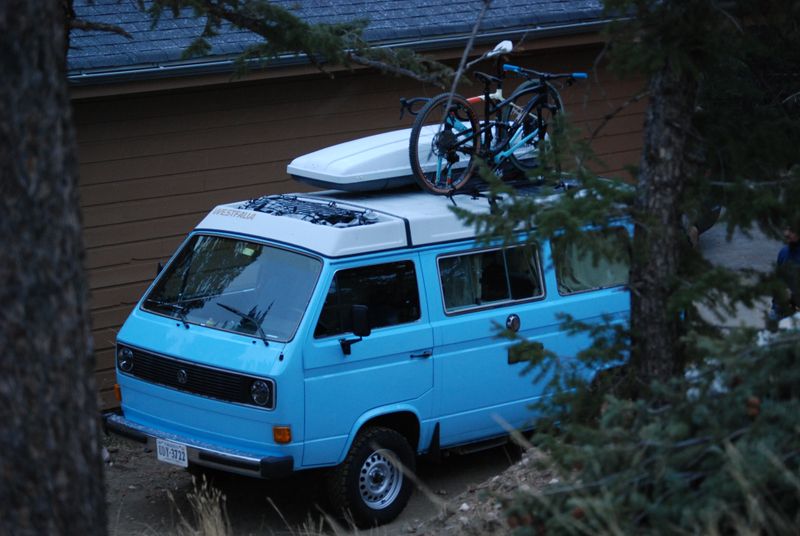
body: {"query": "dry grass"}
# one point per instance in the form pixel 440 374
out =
pixel 210 516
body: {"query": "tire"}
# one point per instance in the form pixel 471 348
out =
pixel 526 157
pixel 442 157
pixel 368 487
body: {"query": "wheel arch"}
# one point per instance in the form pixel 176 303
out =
pixel 403 419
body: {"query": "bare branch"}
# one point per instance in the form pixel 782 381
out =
pixel 791 97
pixel 467 50
pixel 393 69
pixel 609 116
pixel 728 16
pixel 85 25
pixel 759 184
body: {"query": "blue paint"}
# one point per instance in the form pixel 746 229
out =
pixel 444 367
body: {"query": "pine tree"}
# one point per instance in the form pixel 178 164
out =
pixel 722 127
pixel 715 96
pixel 50 447
pixel 708 442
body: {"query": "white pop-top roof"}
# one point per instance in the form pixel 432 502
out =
pixel 360 222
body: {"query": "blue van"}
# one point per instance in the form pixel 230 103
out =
pixel 349 331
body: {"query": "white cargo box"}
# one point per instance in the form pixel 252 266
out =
pixel 372 163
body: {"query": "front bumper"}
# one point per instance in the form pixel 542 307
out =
pixel 211 456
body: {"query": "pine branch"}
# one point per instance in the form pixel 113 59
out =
pixel 282 31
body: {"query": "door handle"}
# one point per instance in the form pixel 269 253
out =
pixel 422 355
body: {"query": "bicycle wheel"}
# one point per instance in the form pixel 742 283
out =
pixel 536 126
pixel 442 146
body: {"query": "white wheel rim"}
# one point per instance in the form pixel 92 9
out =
pixel 379 480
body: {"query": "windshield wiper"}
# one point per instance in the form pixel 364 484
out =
pixel 175 306
pixel 250 318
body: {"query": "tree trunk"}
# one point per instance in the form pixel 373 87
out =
pixel 52 474
pixel 664 171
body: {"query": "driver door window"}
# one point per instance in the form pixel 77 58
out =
pixel 389 290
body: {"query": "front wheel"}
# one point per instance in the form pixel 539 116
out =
pixel 536 118
pixel 443 144
pixel 370 485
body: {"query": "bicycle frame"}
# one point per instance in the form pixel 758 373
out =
pixel 512 129
pixel 517 140
pixel 493 106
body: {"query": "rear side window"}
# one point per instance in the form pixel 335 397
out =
pixel 490 277
pixel 579 269
pixel 389 290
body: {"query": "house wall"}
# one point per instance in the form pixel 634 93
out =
pixel 152 164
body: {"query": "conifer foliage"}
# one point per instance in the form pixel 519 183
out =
pixel 698 432
pixel 714 452
pixel 282 32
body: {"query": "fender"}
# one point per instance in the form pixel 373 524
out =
pixel 425 428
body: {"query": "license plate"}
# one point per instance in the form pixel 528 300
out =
pixel 171 452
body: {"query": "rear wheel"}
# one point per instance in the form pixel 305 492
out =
pixel 370 485
pixel 537 124
pixel 443 144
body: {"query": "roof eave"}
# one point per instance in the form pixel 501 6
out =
pixel 226 65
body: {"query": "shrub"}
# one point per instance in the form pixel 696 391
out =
pixel 716 453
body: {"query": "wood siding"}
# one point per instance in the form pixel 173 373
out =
pixel 153 164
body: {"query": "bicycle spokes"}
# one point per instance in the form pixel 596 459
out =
pixel 443 144
pixel 452 151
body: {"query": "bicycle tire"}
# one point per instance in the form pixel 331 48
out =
pixel 442 157
pixel 526 157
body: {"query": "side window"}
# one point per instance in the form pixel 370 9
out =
pixel 389 290
pixel 488 277
pixel 578 269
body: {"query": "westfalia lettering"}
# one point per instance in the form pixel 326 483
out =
pixel 235 213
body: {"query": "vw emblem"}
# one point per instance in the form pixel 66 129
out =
pixel 182 377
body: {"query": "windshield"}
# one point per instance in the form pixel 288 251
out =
pixel 236 285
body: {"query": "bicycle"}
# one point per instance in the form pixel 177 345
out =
pixel 447 139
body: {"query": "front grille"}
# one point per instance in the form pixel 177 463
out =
pixel 193 378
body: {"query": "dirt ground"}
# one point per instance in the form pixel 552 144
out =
pixel 148 497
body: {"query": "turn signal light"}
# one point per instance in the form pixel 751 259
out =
pixel 282 434
pixel 118 392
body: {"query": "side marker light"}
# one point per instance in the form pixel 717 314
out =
pixel 282 434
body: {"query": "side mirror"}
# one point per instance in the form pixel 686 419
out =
pixel 159 267
pixel 361 324
pixel 361 327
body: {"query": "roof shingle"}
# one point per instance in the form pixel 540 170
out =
pixel 390 21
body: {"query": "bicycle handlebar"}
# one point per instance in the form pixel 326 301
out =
pixel 528 73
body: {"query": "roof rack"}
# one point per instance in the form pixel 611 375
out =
pixel 319 213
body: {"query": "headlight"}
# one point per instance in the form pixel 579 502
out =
pixel 125 359
pixel 260 393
